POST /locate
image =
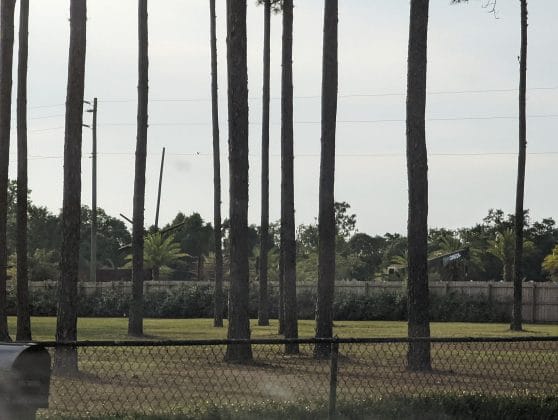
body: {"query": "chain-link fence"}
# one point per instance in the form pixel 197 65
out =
pixel 164 378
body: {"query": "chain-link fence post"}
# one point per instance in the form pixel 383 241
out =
pixel 333 379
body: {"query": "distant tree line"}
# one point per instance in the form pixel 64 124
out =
pixel 359 256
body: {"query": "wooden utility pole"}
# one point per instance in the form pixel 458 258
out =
pixel 159 190
pixel 93 264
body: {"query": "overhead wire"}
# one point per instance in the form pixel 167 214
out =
pixel 341 95
pixel 302 155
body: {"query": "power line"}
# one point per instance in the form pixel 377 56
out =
pixel 303 155
pixel 44 117
pixel 39 130
pixel 309 122
pixel 353 95
pixel 46 106
pixel 374 121
pixel 342 95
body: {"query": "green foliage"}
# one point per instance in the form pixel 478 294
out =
pixel 550 263
pixel 385 306
pixel 159 252
pixel 503 248
pixel 368 251
pixel 345 223
pixel 306 239
pixel 454 406
pixel 195 236
pixel 112 234
pixel 435 406
pixel 44 265
pixel 44 238
pixel 197 302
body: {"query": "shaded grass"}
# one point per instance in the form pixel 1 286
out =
pixel 196 381
pixel 43 329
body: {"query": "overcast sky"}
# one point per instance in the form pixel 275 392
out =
pixel 473 74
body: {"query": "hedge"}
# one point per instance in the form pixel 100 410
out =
pixel 193 301
pixel 434 407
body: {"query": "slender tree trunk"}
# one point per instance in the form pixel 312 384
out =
pixel 135 321
pixel 23 318
pixel 219 298
pixel 263 303
pixel 6 60
pixel 281 302
pixel 418 356
pixel 65 360
pixel 239 323
pixel 516 324
pixel 326 216
pixel 288 242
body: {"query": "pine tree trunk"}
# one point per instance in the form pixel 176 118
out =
pixel 281 300
pixel 65 360
pixel 218 298
pixel 326 214
pixel 418 356
pixel 135 321
pixel 23 317
pixel 288 242
pixel 239 322
pixel 6 60
pixel 516 324
pixel 263 302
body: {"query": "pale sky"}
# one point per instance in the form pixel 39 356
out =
pixel 471 135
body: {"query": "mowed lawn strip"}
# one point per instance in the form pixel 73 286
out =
pixel 43 329
pixel 173 380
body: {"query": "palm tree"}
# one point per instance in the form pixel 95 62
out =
pixel 288 240
pixel 159 252
pixel 6 60
pixel 23 319
pixel 135 321
pixel 400 264
pixel 456 270
pixel 65 360
pixel 218 302
pixel 503 248
pixel 516 323
pixel 239 323
pixel 326 217
pixel 418 356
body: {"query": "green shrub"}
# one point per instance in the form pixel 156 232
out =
pixel 196 301
pixel 435 407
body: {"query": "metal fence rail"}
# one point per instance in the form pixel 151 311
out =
pixel 174 377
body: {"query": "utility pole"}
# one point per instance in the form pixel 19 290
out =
pixel 93 260
pixel 159 191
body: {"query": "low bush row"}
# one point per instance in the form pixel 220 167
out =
pixel 434 407
pixel 192 301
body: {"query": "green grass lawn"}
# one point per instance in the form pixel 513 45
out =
pixel 116 329
pixel 160 381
